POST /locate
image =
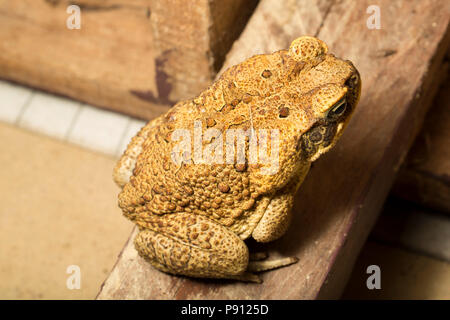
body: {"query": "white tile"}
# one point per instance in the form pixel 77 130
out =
pixel 49 114
pixel 132 129
pixel 12 100
pixel 98 129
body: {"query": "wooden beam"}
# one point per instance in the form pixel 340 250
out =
pixel 341 197
pixel 113 60
pixel 191 39
pixel 102 63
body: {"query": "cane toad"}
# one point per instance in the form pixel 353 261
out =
pixel 196 195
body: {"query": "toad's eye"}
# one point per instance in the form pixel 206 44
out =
pixel 338 109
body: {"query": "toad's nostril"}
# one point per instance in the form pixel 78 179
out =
pixel 352 81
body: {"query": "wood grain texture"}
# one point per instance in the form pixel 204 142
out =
pixel 425 176
pixel 105 63
pixel 341 197
pixel 191 39
pixel 137 57
pixel 274 25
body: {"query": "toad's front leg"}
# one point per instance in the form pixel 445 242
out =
pixel 193 245
pixel 275 222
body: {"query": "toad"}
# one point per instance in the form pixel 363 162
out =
pixel 196 195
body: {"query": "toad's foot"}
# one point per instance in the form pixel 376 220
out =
pixel 257 256
pixel 248 277
pixel 259 264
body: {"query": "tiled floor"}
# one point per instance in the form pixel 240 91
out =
pixel 67 120
pixel 13 101
pixel 59 203
pixel 58 208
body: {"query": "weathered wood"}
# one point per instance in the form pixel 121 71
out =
pixel 105 63
pixel 425 176
pixel 191 39
pixel 341 197
pixel 274 25
pixel 113 60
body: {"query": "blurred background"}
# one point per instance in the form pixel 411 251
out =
pixel 80 78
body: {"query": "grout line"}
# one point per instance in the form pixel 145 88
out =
pixel 122 138
pixel 73 122
pixel 24 107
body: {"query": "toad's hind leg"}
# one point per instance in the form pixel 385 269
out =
pixel 193 245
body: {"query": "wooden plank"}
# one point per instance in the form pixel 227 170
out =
pixel 101 64
pixel 408 226
pixel 191 39
pixel 113 61
pixel 274 25
pixel 341 197
pixel 425 176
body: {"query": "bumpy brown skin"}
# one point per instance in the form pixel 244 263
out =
pixel 194 217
